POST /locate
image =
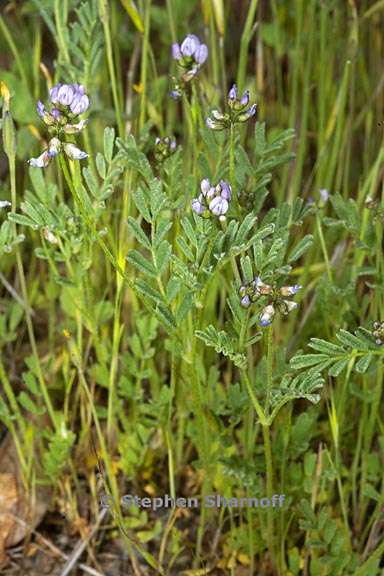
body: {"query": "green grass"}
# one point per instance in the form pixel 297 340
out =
pixel 122 337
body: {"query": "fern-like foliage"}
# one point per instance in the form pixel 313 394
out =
pixel 304 385
pixel 358 349
pixel 79 42
pixel 223 344
pixel 58 452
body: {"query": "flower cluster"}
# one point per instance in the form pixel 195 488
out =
pixel 66 103
pixel 277 298
pixel 190 56
pixel 238 111
pixel 378 332
pixel 164 147
pixel 213 199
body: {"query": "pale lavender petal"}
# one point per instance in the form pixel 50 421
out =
pixel 205 186
pixel 226 190
pixel 40 108
pixel 245 301
pixel 197 206
pixel 219 206
pixel 189 45
pixel 79 104
pixel 66 94
pixel 176 52
pixel 55 113
pixel 245 98
pixel 201 54
pixel 232 94
pixel 53 93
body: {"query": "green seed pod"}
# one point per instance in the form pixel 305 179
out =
pixel 9 138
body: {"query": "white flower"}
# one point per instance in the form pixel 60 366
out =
pixel 75 128
pixel 73 152
pixel 48 235
pixel 267 315
pixel 41 161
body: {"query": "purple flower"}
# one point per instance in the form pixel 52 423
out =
pixel 190 55
pixel 245 98
pixel 248 114
pixel 66 101
pixel 176 52
pixel 219 206
pixel 66 94
pixel 40 108
pixel 213 199
pixel 226 190
pixel 245 302
pixel 267 315
pixel 189 45
pixel 197 206
pixel 175 94
pixel 79 104
pixel 205 186
pixel 201 54
pixel 55 113
pixel 53 93
pixel 79 89
pixel 290 290
pixel 207 191
pixel 238 111
pixel 232 94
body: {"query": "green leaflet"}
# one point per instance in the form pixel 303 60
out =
pixel 222 344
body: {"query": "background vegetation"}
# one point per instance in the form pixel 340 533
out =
pixel 127 364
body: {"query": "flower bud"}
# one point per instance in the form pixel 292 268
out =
pixel 197 206
pixel 267 315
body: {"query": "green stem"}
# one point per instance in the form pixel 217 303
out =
pixel 269 482
pixel 104 17
pixel 232 168
pixel 269 369
pixel 144 64
pixel 244 44
pixel 24 292
pixel 324 247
